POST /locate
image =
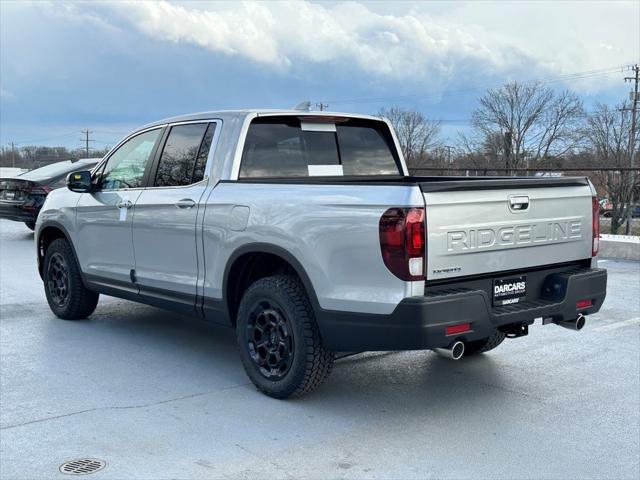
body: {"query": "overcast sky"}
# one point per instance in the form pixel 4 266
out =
pixel 112 66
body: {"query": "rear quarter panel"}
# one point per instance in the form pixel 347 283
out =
pixel 331 230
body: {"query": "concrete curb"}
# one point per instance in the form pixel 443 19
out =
pixel 620 246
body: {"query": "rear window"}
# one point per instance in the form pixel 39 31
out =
pixel 281 147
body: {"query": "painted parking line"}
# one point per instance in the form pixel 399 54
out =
pixel 616 325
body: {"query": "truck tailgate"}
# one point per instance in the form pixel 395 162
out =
pixel 478 228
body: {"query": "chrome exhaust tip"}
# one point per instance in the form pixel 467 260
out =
pixel 454 352
pixel 575 325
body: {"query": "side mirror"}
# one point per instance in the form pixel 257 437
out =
pixel 80 181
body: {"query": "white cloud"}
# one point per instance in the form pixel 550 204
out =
pixel 283 33
pixel 408 41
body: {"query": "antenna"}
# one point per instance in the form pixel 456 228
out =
pixel 303 106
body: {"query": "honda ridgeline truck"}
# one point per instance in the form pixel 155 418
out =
pixel 305 232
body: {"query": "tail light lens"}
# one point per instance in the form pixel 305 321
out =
pixel 595 226
pixel 402 242
pixel 38 189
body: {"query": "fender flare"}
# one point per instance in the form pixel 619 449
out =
pixel 65 233
pixel 272 249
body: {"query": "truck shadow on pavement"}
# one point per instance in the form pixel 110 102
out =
pixel 135 342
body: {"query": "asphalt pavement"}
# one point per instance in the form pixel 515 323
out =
pixel 156 395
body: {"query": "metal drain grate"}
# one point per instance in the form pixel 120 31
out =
pixel 82 466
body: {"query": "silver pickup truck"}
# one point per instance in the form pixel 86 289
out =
pixel 305 232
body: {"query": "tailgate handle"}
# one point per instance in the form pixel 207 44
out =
pixel 518 203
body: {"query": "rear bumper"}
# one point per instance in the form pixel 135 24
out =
pixel 419 323
pixel 18 213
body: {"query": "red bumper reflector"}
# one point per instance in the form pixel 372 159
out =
pixel 460 328
pixel 583 304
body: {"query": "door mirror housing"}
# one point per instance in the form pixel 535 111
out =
pixel 80 181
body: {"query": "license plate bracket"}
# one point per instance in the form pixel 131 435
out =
pixel 507 291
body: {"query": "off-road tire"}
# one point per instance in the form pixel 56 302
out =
pixel 310 363
pixel 79 302
pixel 30 225
pixel 484 345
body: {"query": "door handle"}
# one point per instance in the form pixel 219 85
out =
pixel 519 203
pixel 124 204
pixel 185 203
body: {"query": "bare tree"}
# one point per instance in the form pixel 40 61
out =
pixel 533 122
pixel 34 156
pixel 417 134
pixel 607 133
pixel 482 153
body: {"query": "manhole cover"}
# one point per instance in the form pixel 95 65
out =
pixel 82 466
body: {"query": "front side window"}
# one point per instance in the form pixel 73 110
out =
pixel 126 166
pixel 280 147
pixel 184 155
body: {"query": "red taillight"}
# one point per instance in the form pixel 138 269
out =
pixel 595 226
pixel 402 242
pixel 460 328
pixel 38 189
pixel 583 304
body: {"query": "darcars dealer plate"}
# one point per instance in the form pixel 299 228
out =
pixel 509 290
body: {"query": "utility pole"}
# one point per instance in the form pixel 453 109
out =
pixel 321 106
pixel 508 145
pixel 86 140
pixel 13 155
pixel 449 148
pixel 632 144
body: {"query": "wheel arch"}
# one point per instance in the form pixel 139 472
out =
pixel 257 260
pixel 48 232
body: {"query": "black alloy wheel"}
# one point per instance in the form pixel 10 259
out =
pixel 66 293
pixel 279 340
pixel 58 280
pixel 270 341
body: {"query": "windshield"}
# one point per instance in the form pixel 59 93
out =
pixel 54 170
pixel 286 147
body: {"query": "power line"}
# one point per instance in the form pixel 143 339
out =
pixel 468 120
pixel 64 135
pixel 70 134
pixel 462 92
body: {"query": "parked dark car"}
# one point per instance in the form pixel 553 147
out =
pixel 22 196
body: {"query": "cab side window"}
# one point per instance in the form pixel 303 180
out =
pixel 126 166
pixel 184 156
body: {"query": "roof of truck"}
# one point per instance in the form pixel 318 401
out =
pixel 228 114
